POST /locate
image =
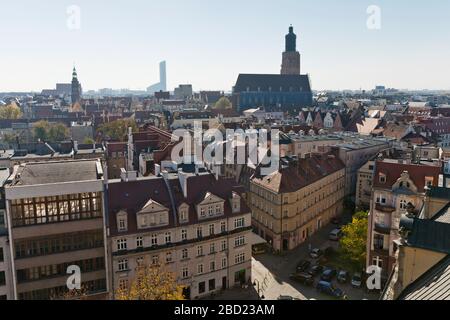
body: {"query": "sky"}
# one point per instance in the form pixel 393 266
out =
pixel 207 43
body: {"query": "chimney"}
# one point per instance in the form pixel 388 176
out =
pixel 126 176
pixel 182 177
pixel 157 170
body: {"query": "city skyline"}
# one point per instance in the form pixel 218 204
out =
pixel 208 45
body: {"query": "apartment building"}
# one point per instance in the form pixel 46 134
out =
pixel 354 154
pixel 422 263
pixel 291 204
pixel 303 145
pixel 364 186
pixel 5 261
pixel 399 187
pixel 196 225
pixel 55 219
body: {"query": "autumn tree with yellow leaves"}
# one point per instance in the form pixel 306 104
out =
pixel 152 283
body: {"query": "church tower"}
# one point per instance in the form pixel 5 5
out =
pixel 76 87
pixel 291 57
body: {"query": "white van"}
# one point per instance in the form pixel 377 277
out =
pixel 335 234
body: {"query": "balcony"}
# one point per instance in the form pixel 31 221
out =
pixel 382 229
pixel 384 208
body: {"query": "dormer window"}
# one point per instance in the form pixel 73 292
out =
pixel 183 213
pixel 429 181
pixel 382 178
pixel 122 223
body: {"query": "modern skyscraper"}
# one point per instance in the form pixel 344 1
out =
pixel 291 57
pixel 76 87
pixel 162 84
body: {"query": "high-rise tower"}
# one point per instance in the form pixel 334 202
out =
pixel 291 57
pixel 76 87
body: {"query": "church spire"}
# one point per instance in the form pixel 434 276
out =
pixel 291 40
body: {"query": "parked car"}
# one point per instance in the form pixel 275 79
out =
pixel 356 280
pixel 328 274
pixel 284 297
pixel 315 270
pixel 327 288
pixel 315 253
pixel 303 265
pixel 335 235
pixel 342 276
pixel 303 278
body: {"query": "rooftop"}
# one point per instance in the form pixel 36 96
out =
pixel 55 172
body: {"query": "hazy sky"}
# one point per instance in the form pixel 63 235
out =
pixel 209 42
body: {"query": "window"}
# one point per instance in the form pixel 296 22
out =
pixel 377 262
pixel 1 255
pixel 184 272
pixel 212 248
pixel 212 284
pixel 184 254
pixel 139 261
pixel 210 211
pixel 382 178
pixel 168 237
pixel 224 263
pixel 123 284
pixel 239 223
pixel 139 242
pixel 183 215
pixel 168 257
pixel 200 268
pixel 154 240
pixel 429 181
pixel 123 265
pixel 155 260
pixel 223 227
pixel 122 244
pixel 211 229
pixel 239 241
pixel 202 212
pixel 378 241
pixel 199 232
pixel 224 245
pixel 212 266
pixel 239 258
pixel 403 204
pixel 218 209
pixel 122 224
pixel 183 234
pixel 200 251
pixel 201 287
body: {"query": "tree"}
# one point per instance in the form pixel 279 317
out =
pixel 117 130
pixel 54 132
pixel 88 140
pixel 58 132
pixel 152 283
pixel 11 111
pixel 40 130
pixel 353 242
pixel 223 103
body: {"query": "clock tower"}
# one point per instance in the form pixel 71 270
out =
pixel 291 57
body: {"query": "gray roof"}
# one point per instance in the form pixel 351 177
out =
pixel 273 81
pixel 432 285
pixel 4 174
pixel 56 172
pixel 430 235
pixel 443 215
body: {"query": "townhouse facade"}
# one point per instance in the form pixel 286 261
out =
pixel 398 188
pixel 195 225
pixel 293 203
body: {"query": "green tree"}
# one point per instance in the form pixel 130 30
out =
pixel 11 111
pixel 40 130
pixel 58 132
pixel 353 242
pixel 223 103
pixel 117 130
pixel 53 132
pixel 88 140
